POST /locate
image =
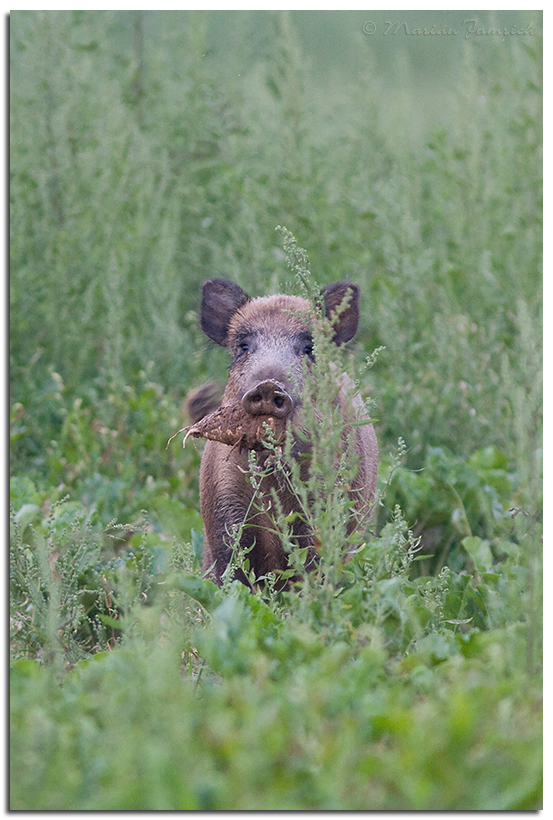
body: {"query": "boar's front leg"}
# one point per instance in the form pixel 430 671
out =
pixel 227 506
pixel 224 501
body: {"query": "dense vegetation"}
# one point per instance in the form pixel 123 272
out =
pixel 150 151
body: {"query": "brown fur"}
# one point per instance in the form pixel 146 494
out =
pixel 276 334
pixel 202 401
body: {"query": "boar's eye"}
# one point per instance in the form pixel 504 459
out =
pixel 305 345
pixel 245 342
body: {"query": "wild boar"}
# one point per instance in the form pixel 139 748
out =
pixel 269 339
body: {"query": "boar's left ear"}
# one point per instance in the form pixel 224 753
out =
pixel 348 321
pixel 220 301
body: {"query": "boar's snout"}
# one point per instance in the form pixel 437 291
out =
pixel 268 399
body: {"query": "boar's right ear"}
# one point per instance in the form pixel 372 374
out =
pixel 345 325
pixel 220 301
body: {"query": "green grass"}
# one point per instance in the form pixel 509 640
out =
pixel 150 151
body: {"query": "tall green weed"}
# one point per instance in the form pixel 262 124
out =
pixel 407 678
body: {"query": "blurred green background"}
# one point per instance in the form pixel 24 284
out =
pixel 150 150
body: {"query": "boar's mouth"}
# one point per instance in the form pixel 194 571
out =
pixel 231 424
pixel 268 398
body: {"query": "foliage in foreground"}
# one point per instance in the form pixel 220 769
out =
pixel 410 694
pixel 409 679
pixel 136 684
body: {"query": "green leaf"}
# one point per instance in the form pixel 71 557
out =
pixel 22 490
pixel 479 551
pixel 201 590
pixel 107 620
pixel 27 668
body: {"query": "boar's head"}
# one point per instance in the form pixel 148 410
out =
pixel 269 338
